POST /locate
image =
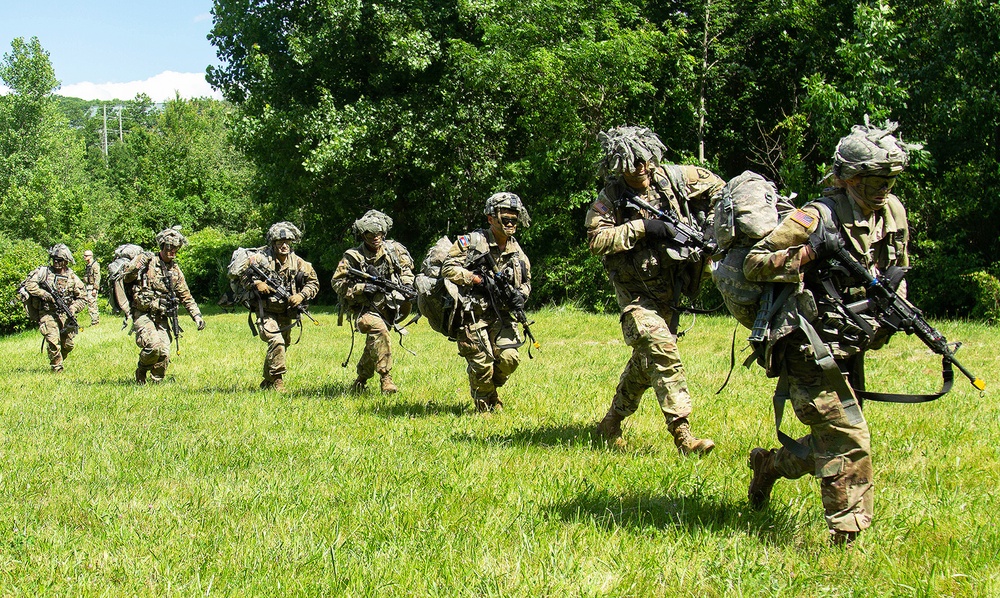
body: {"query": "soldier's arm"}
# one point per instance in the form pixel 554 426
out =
pixel 604 236
pixel 310 288
pixel 138 264
pixel 453 268
pixel 780 256
pixel 78 291
pixel 97 275
pixel 185 297
pixel 349 290
pixel 525 287
pixel 406 275
pixel 34 289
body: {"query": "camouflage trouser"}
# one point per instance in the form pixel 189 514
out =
pixel 275 330
pixel 839 441
pixel 655 363
pixel 153 340
pixel 489 349
pixel 378 352
pixel 58 344
pixel 91 296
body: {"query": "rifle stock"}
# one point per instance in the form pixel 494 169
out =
pixel 684 235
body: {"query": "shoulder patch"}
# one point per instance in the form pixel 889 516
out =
pixel 704 174
pixel 464 241
pixel 601 208
pixel 803 218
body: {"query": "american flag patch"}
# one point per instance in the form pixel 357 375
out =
pixel 463 241
pixel 600 207
pixel 803 218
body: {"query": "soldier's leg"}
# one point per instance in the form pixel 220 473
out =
pixel 377 356
pixel 154 348
pixel 274 358
pixel 474 345
pixel 503 336
pixel 840 447
pixel 68 341
pixel 48 326
pixel 95 316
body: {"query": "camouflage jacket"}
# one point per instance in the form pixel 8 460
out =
pixel 153 277
pixel 92 275
pixel 652 269
pixel 878 241
pixel 68 284
pixel 391 261
pixel 296 275
pixel 469 251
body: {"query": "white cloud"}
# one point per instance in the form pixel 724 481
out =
pixel 159 88
pixel 203 17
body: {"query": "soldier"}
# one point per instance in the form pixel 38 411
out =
pixel 814 325
pixel 375 310
pixel 47 286
pixel 92 281
pixel 276 315
pixel 159 288
pixel 489 342
pixel 649 273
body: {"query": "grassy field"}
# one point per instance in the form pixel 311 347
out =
pixel 206 486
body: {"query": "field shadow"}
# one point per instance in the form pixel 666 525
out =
pixel 691 512
pixel 413 409
pixel 553 435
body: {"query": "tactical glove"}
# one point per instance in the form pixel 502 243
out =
pixel 658 229
pixel 825 243
pixel 262 287
pixel 200 322
pixel 47 297
pixel 295 300
pixel 517 301
pixel 371 290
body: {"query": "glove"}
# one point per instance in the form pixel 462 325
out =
pixel 825 243
pixel 262 287
pixel 200 322
pixel 371 290
pixel 47 297
pixel 142 260
pixel 295 300
pixel 517 301
pixel 658 229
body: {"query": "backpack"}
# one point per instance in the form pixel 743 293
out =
pixel 439 299
pixel 31 303
pixel 747 211
pixel 121 293
pixel 238 263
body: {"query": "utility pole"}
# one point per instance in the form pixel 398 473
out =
pixel 120 138
pixel 105 132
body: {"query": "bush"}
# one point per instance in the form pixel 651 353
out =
pixel 17 259
pixel 205 258
pixel 986 289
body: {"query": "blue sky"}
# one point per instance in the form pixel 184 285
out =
pixel 150 46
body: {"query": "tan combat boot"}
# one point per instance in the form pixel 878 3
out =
pixel 764 476
pixel 686 442
pixel 278 385
pixel 841 538
pixel 359 384
pixel 388 387
pixel 140 375
pixel 610 429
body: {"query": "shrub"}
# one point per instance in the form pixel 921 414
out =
pixel 986 289
pixel 205 258
pixel 17 259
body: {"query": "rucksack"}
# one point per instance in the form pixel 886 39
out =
pixel 439 299
pixel 31 304
pixel 120 293
pixel 747 211
pixel 238 263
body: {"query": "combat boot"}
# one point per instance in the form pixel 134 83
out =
pixel 841 538
pixel 140 375
pixel 278 385
pixel 494 402
pixel 764 476
pixel 610 429
pixel 388 388
pixel 359 384
pixel 686 442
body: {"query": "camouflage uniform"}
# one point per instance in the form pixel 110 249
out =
pixel 59 339
pixel 150 323
pixel 374 312
pixel 649 276
pixel 839 446
pixel 92 281
pixel 276 317
pixel 490 342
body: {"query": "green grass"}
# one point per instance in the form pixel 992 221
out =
pixel 206 486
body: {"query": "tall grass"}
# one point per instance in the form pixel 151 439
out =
pixel 205 485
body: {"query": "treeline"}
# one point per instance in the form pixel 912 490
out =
pixel 423 109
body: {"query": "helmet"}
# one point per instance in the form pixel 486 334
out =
pixel 624 146
pixel 871 151
pixel 171 236
pixel 59 251
pixel 372 222
pixel 506 200
pixel 283 230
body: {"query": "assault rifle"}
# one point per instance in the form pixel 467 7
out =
pixel 383 283
pixel 682 234
pixel 72 326
pixel 280 292
pixel 387 286
pixel 503 295
pixel 898 314
pixel 170 305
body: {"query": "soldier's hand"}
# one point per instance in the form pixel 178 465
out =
pixel 262 287
pixel 658 229
pixel 477 279
pixel 142 260
pixel 47 297
pixel 295 300
pixel 518 300
pixel 371 290
pixel 200 322
pixel 825 243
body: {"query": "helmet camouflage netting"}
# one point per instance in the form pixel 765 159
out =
pixel 61 252
pixel 871 151
pixel 283 230
pixel 171 236
pixel 372 222
pixel 624 146
pixel 506 200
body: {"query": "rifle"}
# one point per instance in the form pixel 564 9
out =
pixel 682 234
pixel 386 286
pixel 503 295
pixel 170 310
pixel 72 326
pixel 280 292
pixel 896 313
pixel 408 292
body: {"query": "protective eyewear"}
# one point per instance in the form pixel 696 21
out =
pixel 876 184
